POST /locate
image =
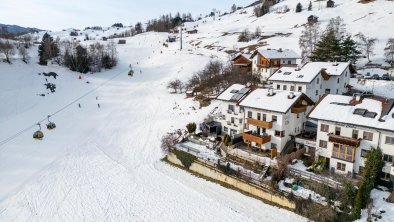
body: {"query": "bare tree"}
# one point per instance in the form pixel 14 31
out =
pixel 168 142
pixel 367 45
pixel 233 8
pixel 175 85
pixel 308 39
pixel 389 51
pixel 338 26
pixel 257 32
pixel 24 54
pixel 7 49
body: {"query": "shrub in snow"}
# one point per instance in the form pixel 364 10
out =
pixel 298 7
pixel 186 158
pixel 191 127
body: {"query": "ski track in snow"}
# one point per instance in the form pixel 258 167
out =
pixel 104 164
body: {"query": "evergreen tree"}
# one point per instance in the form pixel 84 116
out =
pixel 349 50
pixel 389 51
pixel 42 54
pixel 327 49
pixel 310 6
pixel 299 7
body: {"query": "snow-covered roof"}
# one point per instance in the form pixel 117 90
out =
pixel 278 53
pixel 308 72
pixel 337 108
pixel 234 93
pixel 279 102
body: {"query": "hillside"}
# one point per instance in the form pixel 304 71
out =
pixel 282 30
pixel 18 29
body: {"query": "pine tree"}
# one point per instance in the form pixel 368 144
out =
pixel 299 7
pixel 327 49
pixel 310 6
pixel 42 54
pixel 349 50
pixel 389 51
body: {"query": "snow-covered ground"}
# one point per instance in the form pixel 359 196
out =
pixel 380 207
pixel 378 87
pixel 103 164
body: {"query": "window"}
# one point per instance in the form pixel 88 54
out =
pixel 343 152
pixel 341 166
pixel 337 130
pixel 289 62
pixel 249 114
pixel 364 153
pixel 299 88
pixel 225 129
pixel 368 136
pixel 241 109
pixel 387 158
pixel 258 116
pixel 284 87
pixel 323 144
pixel 278 86
pixel 279 133
pixel 346 74
pixel 324 128
pixel 337 91
pixel 355 134
pixel 317 81
pixel 240 121
pixel 389 140
pixel 231 108
pixel 273 146
pixel 291 88
pixel 317 92
pixel 321 86
pixel 274 118
pixel 264 117
pixel 232 119
pixel 338 80
pixel 328 91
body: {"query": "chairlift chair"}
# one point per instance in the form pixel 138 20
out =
pixel 38 135
pixel 50 125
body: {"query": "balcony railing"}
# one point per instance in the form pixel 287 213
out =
pixel 254 137
pixel 299 109
pixel 344 140
pixel 260 123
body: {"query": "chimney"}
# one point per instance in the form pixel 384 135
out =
pixel 280 50
pixel 357 99
pixel 291 95
pixel 271 92
pixel 298 68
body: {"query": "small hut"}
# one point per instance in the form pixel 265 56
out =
pixel 192 31
pixel 122 41
pixel 330 4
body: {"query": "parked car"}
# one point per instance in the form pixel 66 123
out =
pixel 368 76
pixel 375 76
pixel 385 77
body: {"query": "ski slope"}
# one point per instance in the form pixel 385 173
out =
pixel 282 30
pixel 103 164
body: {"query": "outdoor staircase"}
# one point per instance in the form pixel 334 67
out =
pixel 288 147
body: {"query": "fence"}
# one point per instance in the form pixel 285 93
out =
pixel 315 178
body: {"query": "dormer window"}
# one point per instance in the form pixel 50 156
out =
pixel 360 112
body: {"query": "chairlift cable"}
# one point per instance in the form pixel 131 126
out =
pixel 7 140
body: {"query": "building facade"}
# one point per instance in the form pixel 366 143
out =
pixel 265 62
pixel 314 79
pixel 349 127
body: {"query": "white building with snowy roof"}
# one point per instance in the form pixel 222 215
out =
pixel 348 127
pixel 231 116
pixel 272 117
pixel 267 61
pixel 314 78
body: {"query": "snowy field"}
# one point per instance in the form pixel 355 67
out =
pixel 104 164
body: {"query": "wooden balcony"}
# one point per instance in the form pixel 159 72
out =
pixel 260 123
pixel 250 137
pixel 344 140
pixel 299 109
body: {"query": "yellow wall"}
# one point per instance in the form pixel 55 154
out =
pixel 251 189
